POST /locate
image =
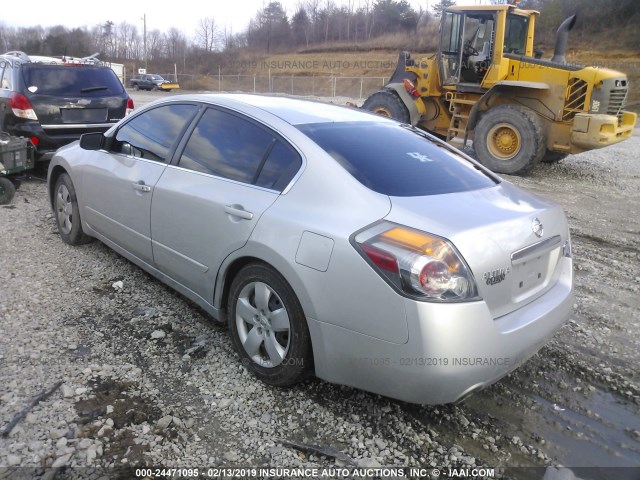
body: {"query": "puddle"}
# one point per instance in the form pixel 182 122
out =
pixel 597 431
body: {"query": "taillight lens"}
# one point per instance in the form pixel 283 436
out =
pixel 418 264
pixel 21 106
pixel 129 105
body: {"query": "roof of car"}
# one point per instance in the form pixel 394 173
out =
pixel 291 110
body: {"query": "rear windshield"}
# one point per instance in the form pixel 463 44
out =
pixel 395 160
pixel 71 81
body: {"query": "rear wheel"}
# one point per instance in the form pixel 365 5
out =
pixel 509 139
pixel 65 204
pixel 268 326
pixel 553 157
pixel 7 191
pixel 136 87
pixel 389 104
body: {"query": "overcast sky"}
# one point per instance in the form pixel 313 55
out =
pixel 161 14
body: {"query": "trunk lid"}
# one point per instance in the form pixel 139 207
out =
pixel 493 229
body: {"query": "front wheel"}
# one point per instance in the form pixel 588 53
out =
pixel 388 104
pixel 65 204
pixel 7 191
pixel 268 326
pixel 510 139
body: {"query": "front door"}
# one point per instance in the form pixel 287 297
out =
pixel 118 186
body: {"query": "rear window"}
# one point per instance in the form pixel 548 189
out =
pixel 396 161
pixel 71 81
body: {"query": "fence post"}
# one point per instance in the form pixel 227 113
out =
pixel 254 83
pixel 361 81
pixel 219 80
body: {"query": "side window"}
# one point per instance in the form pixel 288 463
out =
pixel 281 166
pixel 227 146
pixel 152 134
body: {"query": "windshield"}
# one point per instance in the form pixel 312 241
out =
pixel 72 81
pixel 395 160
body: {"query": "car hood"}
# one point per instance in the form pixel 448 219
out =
pixel 490 228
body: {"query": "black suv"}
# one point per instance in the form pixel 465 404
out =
pixel 53 105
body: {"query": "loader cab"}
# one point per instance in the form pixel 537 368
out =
pixel 467 41
pixel 474 39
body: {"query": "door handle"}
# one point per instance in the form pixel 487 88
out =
pixel 238 211
pixel 141 187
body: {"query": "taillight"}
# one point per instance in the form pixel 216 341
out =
pixel 129 106
pixel 21 106
pixel 35 141
pixel 418 264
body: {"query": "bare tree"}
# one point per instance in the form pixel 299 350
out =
pixel 207 34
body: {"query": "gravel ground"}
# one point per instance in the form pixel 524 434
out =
pixel 148 380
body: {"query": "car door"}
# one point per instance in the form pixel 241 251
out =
pixel 205 206
pixel 118 182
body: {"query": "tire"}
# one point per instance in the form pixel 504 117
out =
pixel 553 157
pixel 7 191
pixel 510 139
pixel 279 355
pixel 388 104
pixel 136 87
pixel 155 88
pixel 67 212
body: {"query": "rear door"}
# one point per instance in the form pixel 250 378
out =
pixel 206 206
pixel 118 183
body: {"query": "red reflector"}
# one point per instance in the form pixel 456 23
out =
pixel 19 102
pixel 382 259
pixel 130 103
pixel 411 88
pixel 35 140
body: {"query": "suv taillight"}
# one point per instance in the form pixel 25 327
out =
pixel 21 106
pixel 129 105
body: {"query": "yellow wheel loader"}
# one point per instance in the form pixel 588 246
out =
pixel 488 85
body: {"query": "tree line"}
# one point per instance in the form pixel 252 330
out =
pixel 312 23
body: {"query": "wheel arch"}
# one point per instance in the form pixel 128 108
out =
pixel 54 174
pixel 248 255
pixel 500 89
pixel 234 264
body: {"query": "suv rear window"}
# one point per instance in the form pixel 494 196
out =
pixel 72 81
pixel 396 161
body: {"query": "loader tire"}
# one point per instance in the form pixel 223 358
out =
pixel 388 104
pixel 553 157
pixel 510 139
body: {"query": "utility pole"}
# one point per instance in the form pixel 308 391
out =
pixel 144 30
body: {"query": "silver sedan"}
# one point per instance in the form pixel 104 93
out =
pixel 333 242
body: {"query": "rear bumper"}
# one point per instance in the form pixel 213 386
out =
pixel 591 131
pixel 452 351
pixel 50 140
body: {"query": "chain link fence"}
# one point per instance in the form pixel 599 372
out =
pixel 316 85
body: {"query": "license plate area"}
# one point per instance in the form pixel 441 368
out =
pixel 83 115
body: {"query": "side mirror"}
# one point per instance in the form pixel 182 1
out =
pixel 92 141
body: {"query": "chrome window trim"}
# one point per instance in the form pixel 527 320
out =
pixel 216 177
pixel 78 125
